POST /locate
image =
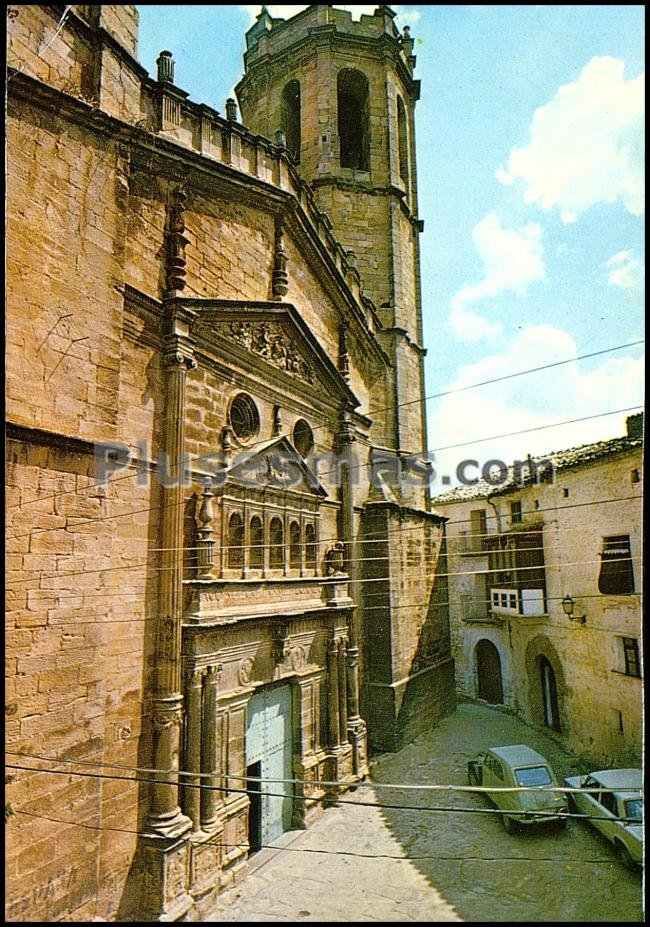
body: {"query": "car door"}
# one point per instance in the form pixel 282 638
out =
pixel 609 810
pixel 586 802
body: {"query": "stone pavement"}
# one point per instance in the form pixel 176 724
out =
pixel 350 865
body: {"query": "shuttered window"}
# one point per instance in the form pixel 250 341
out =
pixel 616 573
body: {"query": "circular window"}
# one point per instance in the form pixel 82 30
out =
pixel 303 437
pixel 244 417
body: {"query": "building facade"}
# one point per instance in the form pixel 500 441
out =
pixel 218 571
pixel 545 604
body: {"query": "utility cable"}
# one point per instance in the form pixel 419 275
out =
pixel 292 849
pixel 387 408
pixel 333 799
pixel 311 782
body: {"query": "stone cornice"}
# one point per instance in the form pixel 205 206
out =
pixel 165 156
pixel 380 46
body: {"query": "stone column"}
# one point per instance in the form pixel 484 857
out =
pixel 211 801
pixel 164 817
pixel 192 796
pixel 333 695
pixel 343 708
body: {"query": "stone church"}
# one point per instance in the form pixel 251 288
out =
pixel 223 566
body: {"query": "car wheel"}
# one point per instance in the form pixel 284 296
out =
pixel 624 855
pixel 509 825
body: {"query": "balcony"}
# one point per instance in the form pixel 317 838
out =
pixel 529 603
pixel 477 612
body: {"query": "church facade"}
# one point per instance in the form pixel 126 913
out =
pixel 226 584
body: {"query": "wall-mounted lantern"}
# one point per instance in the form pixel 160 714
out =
pixel 568 605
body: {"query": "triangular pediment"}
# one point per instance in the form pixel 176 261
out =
pixel 273 337
pixel 275 465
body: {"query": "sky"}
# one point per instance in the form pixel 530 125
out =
pixel 530 147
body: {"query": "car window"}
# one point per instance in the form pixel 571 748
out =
pixel 590 783
pixel 497 769
pixel 608 801
pixel 533 775
pixel 634 808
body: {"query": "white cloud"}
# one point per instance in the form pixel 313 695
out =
pixel 625 271
pixel 512 259
pixel 586 144
pixel 406 16
pixel 559 393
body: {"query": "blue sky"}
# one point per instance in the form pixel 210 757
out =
pixel 530 154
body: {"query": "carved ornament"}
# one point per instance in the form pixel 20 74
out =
pixel 269 340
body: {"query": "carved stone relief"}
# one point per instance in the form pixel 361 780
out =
pixel 271 342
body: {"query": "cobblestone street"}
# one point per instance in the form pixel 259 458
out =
pixel 438 867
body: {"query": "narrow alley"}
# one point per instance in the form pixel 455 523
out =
pixel 366 863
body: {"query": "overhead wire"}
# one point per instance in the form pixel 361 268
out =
pixel 312 782
pixel 335 799
pixel 398 405
pixel 320 851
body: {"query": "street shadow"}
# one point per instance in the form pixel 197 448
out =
pixel 462 850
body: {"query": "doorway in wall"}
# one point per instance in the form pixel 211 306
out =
pixel 269 750
pixel 488 671
pixel 254 772
pixel 549 695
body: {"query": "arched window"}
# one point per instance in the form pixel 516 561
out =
pixel 235 541
pixel 256 559
pixel 402 141
pixel 354 127
pixel 291 117
pixel 276 545
pixel 294 546
pixel 311 547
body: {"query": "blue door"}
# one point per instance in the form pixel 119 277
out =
pixel 269 744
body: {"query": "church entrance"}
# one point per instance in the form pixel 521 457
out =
pixel 488 670
pixel 269 749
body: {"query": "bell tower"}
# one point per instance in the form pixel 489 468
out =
pixel 343 95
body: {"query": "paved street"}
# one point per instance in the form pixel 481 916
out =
pixel 460 867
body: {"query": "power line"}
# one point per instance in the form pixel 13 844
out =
pixel 311 782
pixel 399 405
pixel 291 849
pixel 552 508
pixel 359 582
pixel 333 799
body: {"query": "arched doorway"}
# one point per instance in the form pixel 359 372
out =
pixel 549 695
pixel 488 671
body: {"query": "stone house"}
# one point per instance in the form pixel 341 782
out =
pixel 544 607
pixel 217 568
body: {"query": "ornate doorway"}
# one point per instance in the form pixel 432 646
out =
pixel 488 671
pixel 269 752
pixel 549 695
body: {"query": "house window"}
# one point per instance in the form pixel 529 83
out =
pixel 256 558
pixel 478 529
pixel 402 141
pixel 291 117
pixel 636 476
pixel 515 512
pixel 565 493
pixel 235 541
pixel 311 547
pixel 631 656
pixel 294 546
pixel 616 573
pixel 276 545
pixel 353 119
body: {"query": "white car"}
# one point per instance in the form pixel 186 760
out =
pixel 625 801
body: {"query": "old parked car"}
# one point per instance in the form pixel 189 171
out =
pixel 608 807
pixel 519 765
